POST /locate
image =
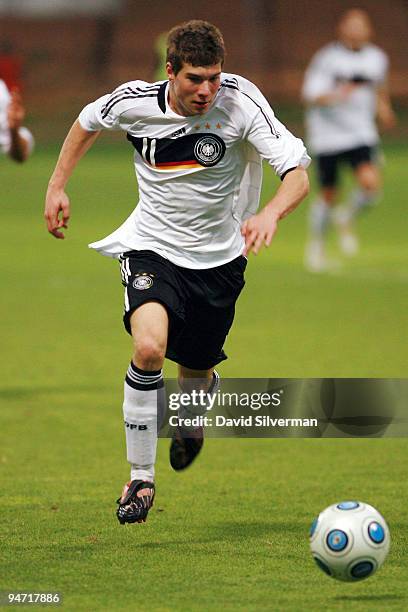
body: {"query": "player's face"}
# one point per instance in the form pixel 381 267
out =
pixel 355 30
pixel 193 88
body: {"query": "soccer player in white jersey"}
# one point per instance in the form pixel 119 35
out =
pixel 345 90
pixel 16 141
pixel 198 140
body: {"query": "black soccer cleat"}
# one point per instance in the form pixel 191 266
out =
pixel 136 501
pixel 184 450
pixel 186 445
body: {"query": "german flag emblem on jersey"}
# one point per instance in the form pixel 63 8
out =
pixel 193 151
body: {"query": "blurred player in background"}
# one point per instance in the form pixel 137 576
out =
pixel 198 139
pixel 345 90
pixel 16 141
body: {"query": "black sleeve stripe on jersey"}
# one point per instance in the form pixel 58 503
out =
pixel 268 121
pixel 233 81
pixel 130 97
pixel 128 93
pixel 124 88
pixel 118 96
pixel 118 93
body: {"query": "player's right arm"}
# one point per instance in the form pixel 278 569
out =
pixel 105 113
pixel 57 206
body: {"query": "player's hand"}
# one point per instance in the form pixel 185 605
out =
pixel 259 230
pixel 344 91
pixel 15 110
pixel 56 212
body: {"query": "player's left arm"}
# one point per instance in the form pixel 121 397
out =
pixel 385 113
pixel 19 147
pixel 288 157
pixel 259 229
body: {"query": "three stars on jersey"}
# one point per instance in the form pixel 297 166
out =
pixel 207 126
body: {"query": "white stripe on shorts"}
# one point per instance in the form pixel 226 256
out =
pixel 127 307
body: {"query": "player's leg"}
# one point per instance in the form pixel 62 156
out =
pixel 368 178
pixel 320 214
pixel 190 379
pixel 143 401
pixel 198 347
pixel 143 384
pixel 188 437
pixel 153 302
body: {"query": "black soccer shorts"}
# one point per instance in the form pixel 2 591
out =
pixel 327 165
pixel 200 303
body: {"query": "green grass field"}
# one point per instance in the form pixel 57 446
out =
pixel 232 531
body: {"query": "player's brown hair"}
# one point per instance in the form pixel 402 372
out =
pixel 195 42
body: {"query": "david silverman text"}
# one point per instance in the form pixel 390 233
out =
pixel 242 421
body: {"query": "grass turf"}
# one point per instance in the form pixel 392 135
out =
pixel 232 531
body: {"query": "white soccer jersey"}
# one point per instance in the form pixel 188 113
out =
pixel 5 140
pixel 198 176
pixel 349 123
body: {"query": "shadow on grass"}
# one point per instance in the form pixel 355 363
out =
pixel 384 597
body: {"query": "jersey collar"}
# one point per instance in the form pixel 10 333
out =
pixel 161 98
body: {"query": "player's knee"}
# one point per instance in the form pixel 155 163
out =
pixel 371 184
pixel 149 354
pixel 369 179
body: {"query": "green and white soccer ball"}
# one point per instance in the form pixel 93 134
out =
pixel 349 541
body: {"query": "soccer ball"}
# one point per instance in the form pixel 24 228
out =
pixel 349 541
